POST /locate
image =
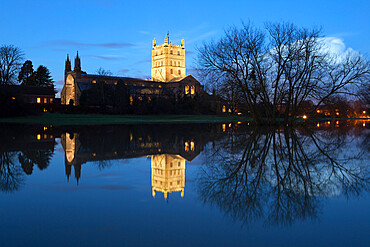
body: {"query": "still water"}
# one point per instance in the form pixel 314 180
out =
pixel 185 185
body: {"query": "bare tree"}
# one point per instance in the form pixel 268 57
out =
pixel 11 58
pixel 104 72
pixel 281 65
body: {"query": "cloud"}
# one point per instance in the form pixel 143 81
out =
pixel 78 44
pixel 336 47
pixel 106 57
pixel 144 61
pixel 124 71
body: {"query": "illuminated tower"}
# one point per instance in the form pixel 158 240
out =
pixel 168 61
pixel 168 174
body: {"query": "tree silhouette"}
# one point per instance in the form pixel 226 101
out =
pixel 26 74
pixel 10 62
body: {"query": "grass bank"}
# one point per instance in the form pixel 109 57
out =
pixel 81 119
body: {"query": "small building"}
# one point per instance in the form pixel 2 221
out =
pixel 29 94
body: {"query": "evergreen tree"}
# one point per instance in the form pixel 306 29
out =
pixel 43 77
pixel 26 74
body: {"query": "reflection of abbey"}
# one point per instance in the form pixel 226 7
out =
pixel 168 152
pixel 168 78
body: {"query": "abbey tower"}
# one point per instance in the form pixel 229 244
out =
pixel 168 61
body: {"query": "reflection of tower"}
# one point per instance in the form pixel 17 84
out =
pixel 168 174
pixel 71 145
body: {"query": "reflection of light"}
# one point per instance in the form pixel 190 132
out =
pixel 130 136
pixel 45 136
pixel 94 154
pixel 328 122
pixel 229 125
pixel 224 127
pixel 337 113
pixel 304 117
pixel 239 113
pixel 364 112
pixel 364 124
pixel 318 125
pixel 318 111
pixel 38 137
pixel 45 128
pixel 239 122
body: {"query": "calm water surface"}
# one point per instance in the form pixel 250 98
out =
pixel 185 185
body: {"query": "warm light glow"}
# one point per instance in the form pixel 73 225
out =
pixel 186 89
pixel 45 100
pixel 337 113
pixel 318 111
pixel 318 125
pixel 94 154
pixel 93 81
pixel 328 122
pixel 239 122
pixel 239 113
pixel 13 98
pixel 223 127
pixel 364 124
pixel 192 89
pixel 45 128
pixel 51 100
pixel 186 147
pixel 304 117
pixel 192 146
pixel 38 100
pixel 115 83
pixel 38 137
pixel 131 100
pixel 364 112
pixel 229 125
pixel 223 108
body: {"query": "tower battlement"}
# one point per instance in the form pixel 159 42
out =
pixel 168 61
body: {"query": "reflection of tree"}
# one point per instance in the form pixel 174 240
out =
pixel 280 175
pixel 10 173
pixel 29 158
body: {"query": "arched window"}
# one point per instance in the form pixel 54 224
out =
pixel 178 64
pixel 186 89
pixel 170 51
pixel 180 73
pixel 178 53
pixel 171 71
pixel 192 89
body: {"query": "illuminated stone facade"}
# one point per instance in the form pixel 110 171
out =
pixel 168 174
pixel 168 61
pixel 168 77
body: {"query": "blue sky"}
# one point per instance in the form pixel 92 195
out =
pixel 117 35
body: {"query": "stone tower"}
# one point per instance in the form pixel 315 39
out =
pixel 68 66
pixel 77 64
pixel 168 61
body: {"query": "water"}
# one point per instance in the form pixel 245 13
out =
pixel 185 185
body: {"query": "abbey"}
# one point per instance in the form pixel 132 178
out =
pixel 169 78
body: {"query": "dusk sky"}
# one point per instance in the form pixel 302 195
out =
pixel 117 35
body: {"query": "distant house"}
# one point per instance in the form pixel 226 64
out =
pixel 29 94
